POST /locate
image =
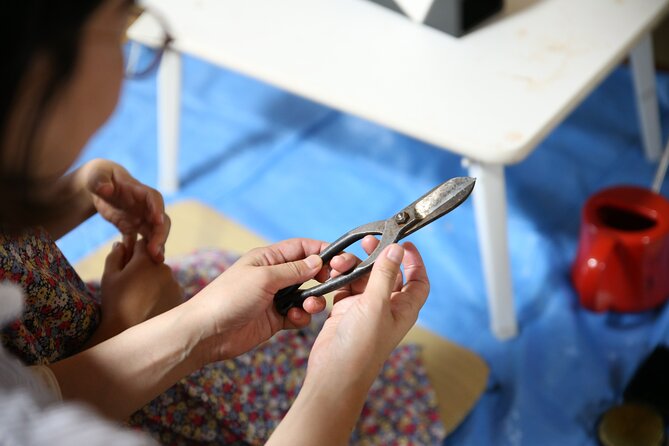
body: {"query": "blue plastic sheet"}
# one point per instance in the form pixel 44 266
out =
pixel 284 166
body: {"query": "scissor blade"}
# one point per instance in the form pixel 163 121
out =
pixel 444 198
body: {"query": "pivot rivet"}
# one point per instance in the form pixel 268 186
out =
pixel 402 217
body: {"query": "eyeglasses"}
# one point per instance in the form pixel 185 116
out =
pixel 147 39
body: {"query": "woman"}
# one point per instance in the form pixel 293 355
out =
pixel 63 76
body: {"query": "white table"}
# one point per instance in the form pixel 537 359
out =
pixel 490 96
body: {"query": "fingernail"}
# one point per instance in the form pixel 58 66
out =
pixel 395 253
pixel 116 245
pixel 313 261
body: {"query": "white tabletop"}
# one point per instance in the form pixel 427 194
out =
pixel 491 95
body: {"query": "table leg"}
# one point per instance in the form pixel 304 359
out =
pixel 168 109
pixel 643 70
pixel 490 211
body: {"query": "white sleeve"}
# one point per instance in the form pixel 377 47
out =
pixel 30 415
pixel 46 377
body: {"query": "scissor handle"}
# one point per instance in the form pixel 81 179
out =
pixel 293 296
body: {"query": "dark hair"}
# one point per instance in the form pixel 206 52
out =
pixel 34 29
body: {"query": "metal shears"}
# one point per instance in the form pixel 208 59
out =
pixel 428 208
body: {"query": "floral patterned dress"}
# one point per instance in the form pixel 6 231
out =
pixel 238 401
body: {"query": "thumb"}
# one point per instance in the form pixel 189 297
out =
pixel 137 254
pixel 382 280
pixel 114 261
pixel 290 273
pixel 102 183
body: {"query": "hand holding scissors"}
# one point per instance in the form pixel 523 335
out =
pixel 431 206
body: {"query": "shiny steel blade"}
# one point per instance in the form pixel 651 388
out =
pixel 445 197
pixel 440 201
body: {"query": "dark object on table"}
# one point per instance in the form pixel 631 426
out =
pixel 650 383
pixel 640 419
pixel 455 17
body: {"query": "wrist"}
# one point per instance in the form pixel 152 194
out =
pixel 349 385
pixel 341 399
pixel 110 326
pixel 337 395
pixel 104 331
pixel 76 187
pixel 203 341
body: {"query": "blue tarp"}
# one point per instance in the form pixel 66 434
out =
pixel 284 166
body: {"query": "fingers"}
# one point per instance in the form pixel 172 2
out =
pixel 284 251
pixel 129 241
pixel 417 286
pixel 299 248
pixel 158 222
pixel 132 206
pixel 100 180
pixel 417 281
pixel 346 261
pixel 382 280
pixel 369 243
pixel 139 256
pixel 399 282
pixel 301 317
pixel 343 263
pixel 158 238
pixel 291 273
pixel 296 318
pixel 115 259
pixel 314 304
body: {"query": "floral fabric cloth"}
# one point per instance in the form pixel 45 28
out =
pixel 61 314
pixel 239 401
